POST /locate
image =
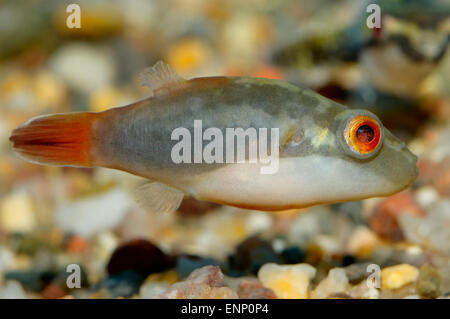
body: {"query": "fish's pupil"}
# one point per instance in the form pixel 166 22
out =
pixel 365 134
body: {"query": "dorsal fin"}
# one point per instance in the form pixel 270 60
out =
pixel 160 77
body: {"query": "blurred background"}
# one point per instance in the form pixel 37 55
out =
pixel 51 217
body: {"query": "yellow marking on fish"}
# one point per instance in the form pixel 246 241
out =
pixel 320 137
pixel 289 136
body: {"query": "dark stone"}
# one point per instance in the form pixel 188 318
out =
pixel 293 255
pixel 251 254
pixel 357 272
pixel 235 273
pixel 139 255
pixel 122 284
pixel 348 260
pixel 187 264
pixel 334 92
pixel 34 280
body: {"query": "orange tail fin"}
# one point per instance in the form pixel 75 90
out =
pixel 61 139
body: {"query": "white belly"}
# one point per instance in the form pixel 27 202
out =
pixel 299 182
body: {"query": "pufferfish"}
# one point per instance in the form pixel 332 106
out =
pixel 326 152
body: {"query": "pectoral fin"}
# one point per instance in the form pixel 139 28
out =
pixel 158 198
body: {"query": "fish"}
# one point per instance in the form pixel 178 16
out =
pixel 318 151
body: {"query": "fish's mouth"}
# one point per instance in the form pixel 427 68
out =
pixel 408 159
pixel 399 145
pixel 412 159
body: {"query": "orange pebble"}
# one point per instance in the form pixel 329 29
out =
pixel 76 244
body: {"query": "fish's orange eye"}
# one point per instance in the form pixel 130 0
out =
pixel 363 134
